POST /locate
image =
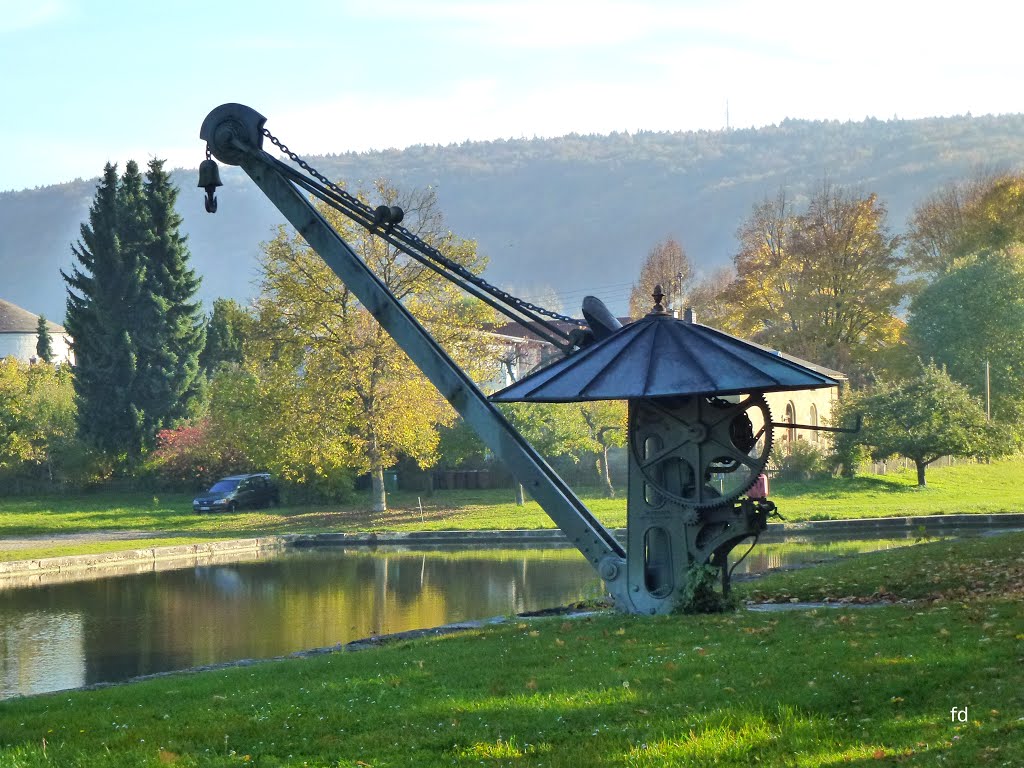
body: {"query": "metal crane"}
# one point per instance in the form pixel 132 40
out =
pixel 698 419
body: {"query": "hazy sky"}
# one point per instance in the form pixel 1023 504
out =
pixel 87 81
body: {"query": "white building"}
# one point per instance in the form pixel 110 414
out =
pixel 18 329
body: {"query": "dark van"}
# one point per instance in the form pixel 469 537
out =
pixel 230 493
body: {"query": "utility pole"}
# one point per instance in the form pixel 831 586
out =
pixel 988 394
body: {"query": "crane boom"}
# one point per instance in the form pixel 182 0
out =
pixel 234 134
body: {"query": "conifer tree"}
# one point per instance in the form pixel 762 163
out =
pixel 44 345
pixel 175 332
pixel 137 331
pixel 99 292
pixel 226 329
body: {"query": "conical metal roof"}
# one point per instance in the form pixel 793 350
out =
pixel 660 356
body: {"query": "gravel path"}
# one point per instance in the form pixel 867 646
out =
pixel 82 537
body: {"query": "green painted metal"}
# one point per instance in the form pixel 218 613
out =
pixel 685 435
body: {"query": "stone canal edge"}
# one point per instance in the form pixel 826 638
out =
pixel 17 573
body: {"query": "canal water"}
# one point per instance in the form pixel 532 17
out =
pixel 59 636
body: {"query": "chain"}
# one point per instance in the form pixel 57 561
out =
pixel 414 241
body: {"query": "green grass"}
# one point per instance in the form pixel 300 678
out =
pixel 967 488
pixel 869 687
pixel 938 572
pixel 959 489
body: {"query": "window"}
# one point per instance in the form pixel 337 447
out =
pixel 790 434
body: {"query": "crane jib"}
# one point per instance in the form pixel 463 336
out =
pixel 234 135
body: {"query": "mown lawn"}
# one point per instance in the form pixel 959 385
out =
pixel 967 488
pixel 851 686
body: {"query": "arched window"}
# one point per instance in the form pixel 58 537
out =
pixel 814 422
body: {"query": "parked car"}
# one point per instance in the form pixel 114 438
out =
pixel 230 493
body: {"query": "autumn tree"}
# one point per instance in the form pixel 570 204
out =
pixel 924 418
pixel 708 298
pixel 354 383
pixel 666 265
pixel 938 232
pixel 37 420
pixel 823 283
pixel 270 416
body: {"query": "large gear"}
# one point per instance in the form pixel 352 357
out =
pixel 678 441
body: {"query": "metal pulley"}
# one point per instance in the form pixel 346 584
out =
pixel 387 216
pixel 209 179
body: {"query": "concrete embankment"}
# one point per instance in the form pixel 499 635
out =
pixel 55 570
pixel 50 570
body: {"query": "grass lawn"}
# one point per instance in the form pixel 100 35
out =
pixel 861 687
pixel 967 488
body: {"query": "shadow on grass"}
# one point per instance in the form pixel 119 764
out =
pixel 842 487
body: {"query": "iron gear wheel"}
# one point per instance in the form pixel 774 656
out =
pixel 691 516
pixel 679 443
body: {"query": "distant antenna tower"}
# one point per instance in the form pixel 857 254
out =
pixel 727 114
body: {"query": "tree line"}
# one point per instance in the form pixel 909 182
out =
pixel 305 384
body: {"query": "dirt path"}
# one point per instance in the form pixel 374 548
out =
pixel 82 537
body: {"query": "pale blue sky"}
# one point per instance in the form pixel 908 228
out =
pixel 87 81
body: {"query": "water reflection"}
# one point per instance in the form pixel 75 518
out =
pixel 66 635
pixel 37 647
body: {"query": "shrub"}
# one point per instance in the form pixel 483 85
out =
pixel 188 458
pixel 700 594
pixel 804 461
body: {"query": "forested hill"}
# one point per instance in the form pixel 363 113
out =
pixel 576 213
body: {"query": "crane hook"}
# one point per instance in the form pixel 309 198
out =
pixel 209 179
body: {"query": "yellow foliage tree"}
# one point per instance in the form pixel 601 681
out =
pixel 823 284
pixel 666 265
pixel 352 387
pixel 983 213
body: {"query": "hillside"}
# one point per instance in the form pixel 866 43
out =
pixel 576 213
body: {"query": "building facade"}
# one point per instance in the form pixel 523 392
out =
pixel 18 335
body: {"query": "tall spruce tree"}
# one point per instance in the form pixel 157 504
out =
pixel 137 334
pixel 100 291
pixel 175 321
pixel 133 232
pixel 44 345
